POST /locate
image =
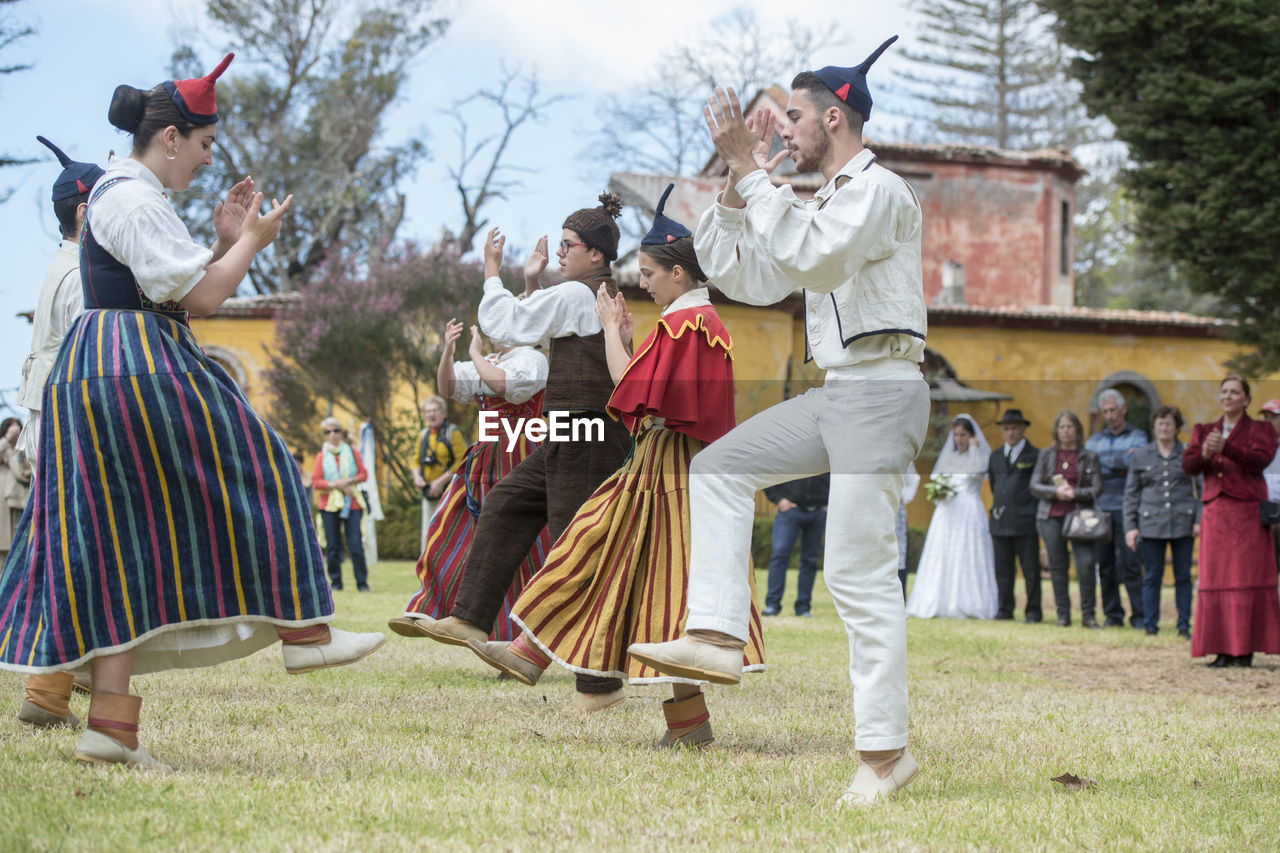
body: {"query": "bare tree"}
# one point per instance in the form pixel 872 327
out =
pixel 11 32
pixel 518 100
pixel 659 129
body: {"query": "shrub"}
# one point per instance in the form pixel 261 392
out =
pixel 400 532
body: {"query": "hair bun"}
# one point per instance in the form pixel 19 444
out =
pixel 127 107
pixel 611 203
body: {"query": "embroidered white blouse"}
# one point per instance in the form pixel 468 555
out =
pixel 526 370
pixel 134 222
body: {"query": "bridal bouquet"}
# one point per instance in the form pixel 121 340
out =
pixel 939 488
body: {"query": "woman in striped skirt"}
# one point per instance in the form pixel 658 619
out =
pixel 168 526
pixel 507 385
pixel 619 572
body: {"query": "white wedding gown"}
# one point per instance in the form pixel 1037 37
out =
pixel 956 577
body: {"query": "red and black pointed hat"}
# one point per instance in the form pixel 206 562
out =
pixel 76 178
pixel 665 229
pixel 194 98
pixel 850 84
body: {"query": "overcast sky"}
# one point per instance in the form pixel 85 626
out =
pixel 583 49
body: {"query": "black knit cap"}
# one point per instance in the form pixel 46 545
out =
pixel 595 226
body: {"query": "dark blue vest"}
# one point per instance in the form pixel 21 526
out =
pixel 106 282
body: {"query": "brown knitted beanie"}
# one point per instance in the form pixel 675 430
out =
pixel 595 226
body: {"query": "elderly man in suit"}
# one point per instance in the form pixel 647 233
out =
pixel 1013 516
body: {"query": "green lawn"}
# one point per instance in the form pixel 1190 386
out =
pixel 421 747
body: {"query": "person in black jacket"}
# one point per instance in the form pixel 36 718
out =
pixel 1013 516
pixel 802 514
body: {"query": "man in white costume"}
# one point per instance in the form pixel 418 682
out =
pixel 855 251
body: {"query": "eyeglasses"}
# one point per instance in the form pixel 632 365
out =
pixel 565 245
pixel 329 431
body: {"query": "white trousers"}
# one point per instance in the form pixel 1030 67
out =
pixel 864 425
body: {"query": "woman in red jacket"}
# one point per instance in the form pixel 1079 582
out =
pixel 335 480
pixel 1238 611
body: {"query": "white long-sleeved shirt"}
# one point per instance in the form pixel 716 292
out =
pixel 134 222
pixel 61 301
pixel 854 249
pixel 568 308
pixel 526 371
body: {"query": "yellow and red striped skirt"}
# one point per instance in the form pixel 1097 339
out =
pixel 619 574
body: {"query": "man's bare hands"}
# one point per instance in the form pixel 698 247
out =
pixel 535 265
pixel 742 144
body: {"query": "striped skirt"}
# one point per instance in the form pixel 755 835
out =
pixel 619 574
pixel 449 536
pixel 166 517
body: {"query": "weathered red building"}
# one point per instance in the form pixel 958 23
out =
pixel 998 224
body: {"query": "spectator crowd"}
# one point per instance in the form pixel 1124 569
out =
pixel 1120 506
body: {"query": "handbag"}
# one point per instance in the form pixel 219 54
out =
pixel 1269 511
pixel 1087 524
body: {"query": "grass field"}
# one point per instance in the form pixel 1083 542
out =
pixel 421 747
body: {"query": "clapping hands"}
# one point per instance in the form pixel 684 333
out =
pixel 613 313
pixel 741 142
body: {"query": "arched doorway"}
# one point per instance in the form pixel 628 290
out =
pixel 1140 396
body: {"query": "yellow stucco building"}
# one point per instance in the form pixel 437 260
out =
pixel 1041 360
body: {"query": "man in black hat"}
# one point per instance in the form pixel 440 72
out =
pixel 61 301
pixel 1013 516
pixel 854 250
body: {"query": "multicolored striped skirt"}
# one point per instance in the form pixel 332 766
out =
pixel 449 536
pixel 620 573
pixel 166 517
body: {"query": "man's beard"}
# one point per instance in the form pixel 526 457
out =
pixel 821 151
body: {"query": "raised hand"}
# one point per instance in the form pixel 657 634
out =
pixel 762 123
pixel 263 230
pixel 228 216
pixel 626 328
pixel 452 331
pixel 609 309
pixel 536 264
pixel 1213 444
pixel 493 243
pixel 475 349
pixel 734 141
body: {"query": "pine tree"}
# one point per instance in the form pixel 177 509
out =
pixel 991 73
pixel 1193 89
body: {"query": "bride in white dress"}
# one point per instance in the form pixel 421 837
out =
pixel 956 577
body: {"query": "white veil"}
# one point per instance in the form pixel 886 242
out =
pixel 973 461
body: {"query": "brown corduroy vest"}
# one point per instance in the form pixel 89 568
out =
pixel 578 377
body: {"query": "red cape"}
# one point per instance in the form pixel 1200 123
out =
pixel 683 373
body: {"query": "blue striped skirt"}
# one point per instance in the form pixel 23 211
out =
pixel 165 516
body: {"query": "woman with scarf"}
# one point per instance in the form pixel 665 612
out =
pixel 619 573
pixel 168 526
pixel 334 481
pixel 957 577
